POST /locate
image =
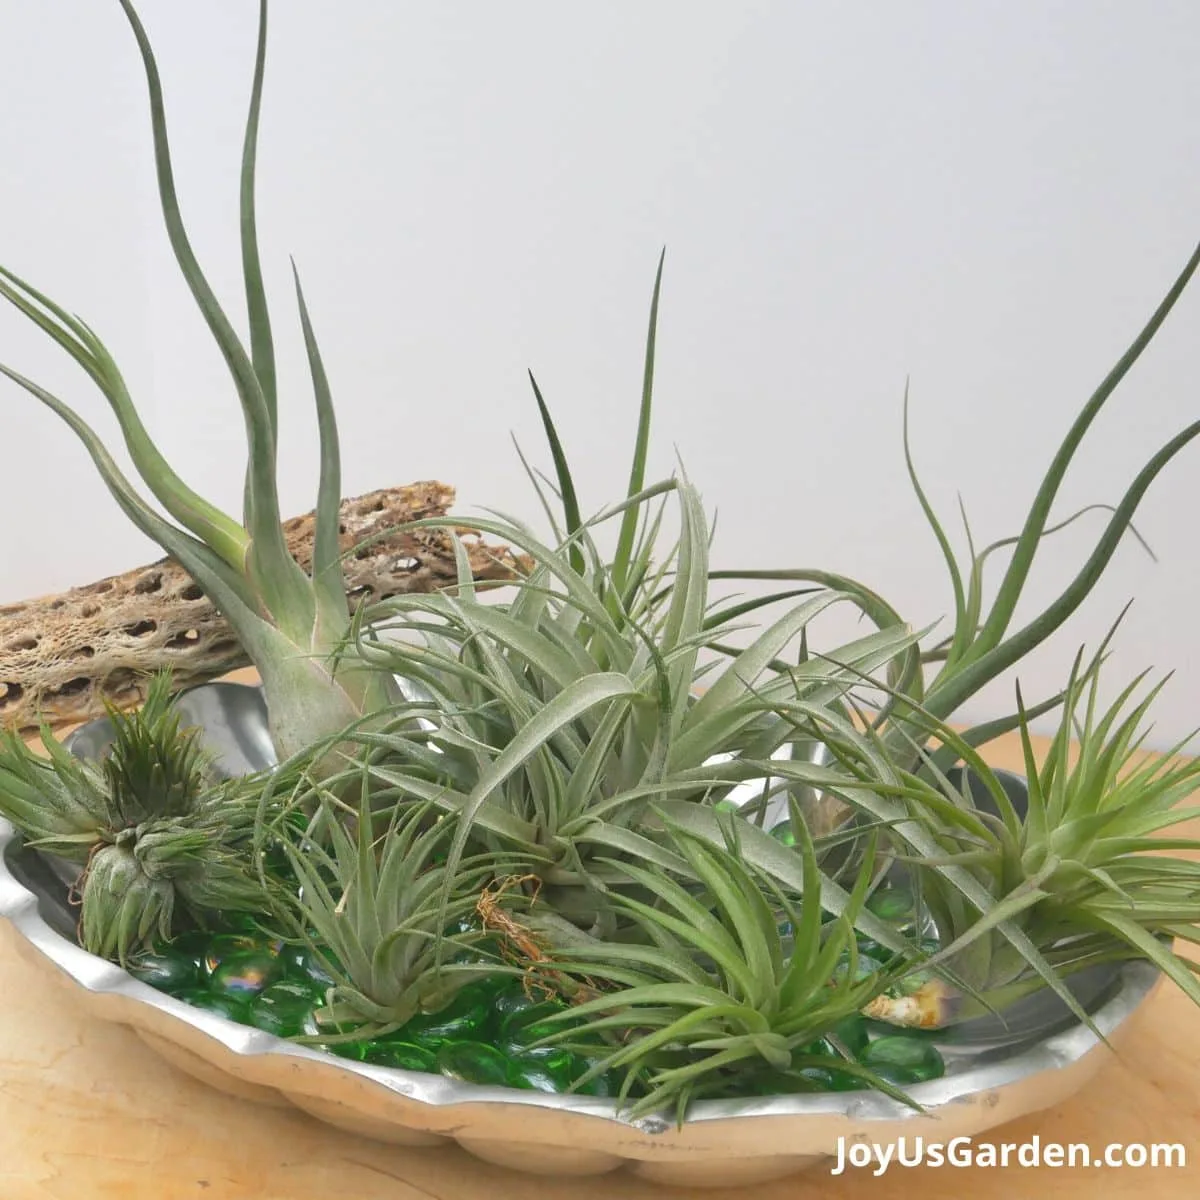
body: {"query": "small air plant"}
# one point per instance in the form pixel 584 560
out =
pixel 364 888
pixel 150 828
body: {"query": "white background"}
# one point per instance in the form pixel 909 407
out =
pixel 987 197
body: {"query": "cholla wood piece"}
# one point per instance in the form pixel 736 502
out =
pixel 62 657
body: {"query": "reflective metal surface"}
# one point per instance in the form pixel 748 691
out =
pixel 989 1081
pixel 233 717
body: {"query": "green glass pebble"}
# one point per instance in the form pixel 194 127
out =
pixel 400 1056
pixel 530 1025
pixel 830 1079
pixel 228 945
pixel 480 993
pixel 891 904
pixel 871 948
pixel 286 1010
pixel 778 1083
pixel 168 971
pixel 851 1031
pixel 557 1068
pixel 473 1062
pixel 301 964
pixel 827 1077
pixel 245 974
pixel 508 1001
pixel 554 1071
pixel 463 1019
pixel 901 1059
pixel 229 1007
pixel 533 1053
pixel 784 833
pixel 192 942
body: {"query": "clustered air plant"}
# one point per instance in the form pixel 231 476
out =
pixel 576 835
pixel 151 828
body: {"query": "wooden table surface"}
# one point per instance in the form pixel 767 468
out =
pixel 88 1112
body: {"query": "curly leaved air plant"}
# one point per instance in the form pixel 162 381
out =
pixel 982 644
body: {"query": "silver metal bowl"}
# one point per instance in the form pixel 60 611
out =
pixel 995 1073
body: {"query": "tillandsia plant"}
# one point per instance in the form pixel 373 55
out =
pixel 370 901
pixel 558 725
pixel 1087 869
pixel 561 717
pixel 151 828
pixel 290 623
pixel 734 987
pixel 982 643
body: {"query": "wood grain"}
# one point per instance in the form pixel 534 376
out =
pixel 88 1112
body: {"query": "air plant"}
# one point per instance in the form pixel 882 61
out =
pixel 363 886
pixel 1089 871
pixel 149 826
pixel 289 623
pixel 982 644
pixel 558 725
pixel 733 984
